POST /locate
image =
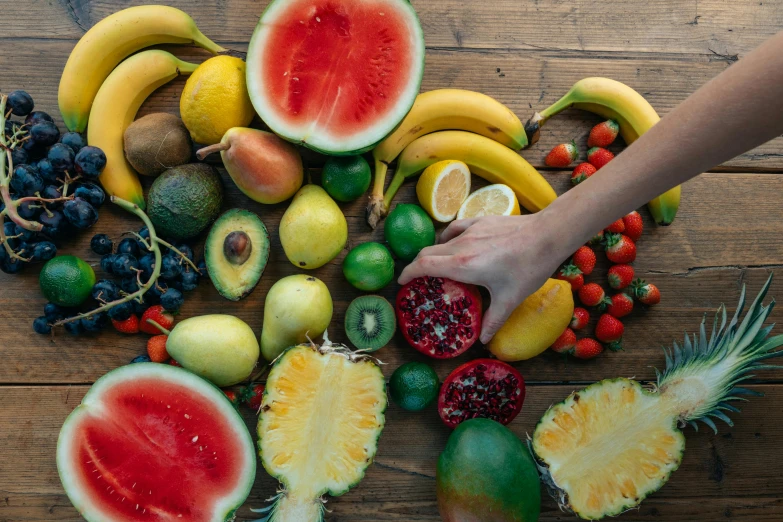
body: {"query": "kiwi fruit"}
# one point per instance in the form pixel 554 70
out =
pixel 370 322
pixel 157 142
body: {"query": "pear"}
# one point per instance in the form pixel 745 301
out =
pixel 263 166
pixel 313 229
pixel 297 308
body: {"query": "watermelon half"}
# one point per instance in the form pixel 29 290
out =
pixel 335 75
pixel 153 442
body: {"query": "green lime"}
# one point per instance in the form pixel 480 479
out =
pixel 414 386
pixel 66 280
pixel 369 267
pixel 408 229
pixel 346 178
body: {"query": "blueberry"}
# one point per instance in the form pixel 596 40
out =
pixel 24 234
pixel 140 307
pixel 124 264
pixel 43 251
pixel 95 323
pixel 29 210
pixel 61 157
pixel 12 266
pixel 189 280
pixel 26 181
pixel 74 327
pixel 105 290
pixel 144 232
pixel 90 162
pixel 52 192
pixel 34 150
pixel 140 359
pixel 41 326
pixel 9 229
pixel 170 268
pixel 19 156
pixel 11 127
pixel 53 313
pixel 128 246
pixel 73 140
pixel 101 244
pixel 3 255
pixel 55 225
pixel 45 133
pixel 172 300
pixel 202 268
pixel 36 117
pixel 154 294
pixel 80 213
pixel 91 193
pixel 46 171
pixel 107 263
pixel 129 284
pixel 120 312
pixel 147 265
pixel 20 103
pixel 186 251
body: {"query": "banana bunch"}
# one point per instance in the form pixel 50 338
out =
pixel 614 100
pixel 493 131
pixel 89 68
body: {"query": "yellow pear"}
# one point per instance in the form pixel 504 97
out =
pixel 313 229
pixel 297 307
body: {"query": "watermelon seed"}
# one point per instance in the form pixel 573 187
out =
pixel 317 19
pixel 194 439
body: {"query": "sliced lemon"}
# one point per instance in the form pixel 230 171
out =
pixel 493 200
pixel 442 188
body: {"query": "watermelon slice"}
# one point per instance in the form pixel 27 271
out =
pixel 153 442
pixel 335 75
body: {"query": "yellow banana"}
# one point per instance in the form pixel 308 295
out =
pixel 109 42
pixel 439 110
pixel 115 107
pixel 615 100
pixel 486 158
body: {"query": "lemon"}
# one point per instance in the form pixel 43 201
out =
pixel 442 188
pixel 215 99
pixel 492 200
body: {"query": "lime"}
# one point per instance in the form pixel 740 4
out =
pixel 369 267
pixel 346 178
pixel 414 386
pixel 66 280
pixel 408 229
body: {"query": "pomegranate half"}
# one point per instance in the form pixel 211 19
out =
pixel 439 317
pixel 482 388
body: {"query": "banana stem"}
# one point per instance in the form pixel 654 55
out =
pixel 376 208
pixel 394 186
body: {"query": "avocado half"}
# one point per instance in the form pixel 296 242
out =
pixel 236 253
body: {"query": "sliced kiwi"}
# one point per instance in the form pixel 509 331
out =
pixel 370 322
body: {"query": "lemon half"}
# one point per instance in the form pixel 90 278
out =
pixel 493 200
pixel 442 188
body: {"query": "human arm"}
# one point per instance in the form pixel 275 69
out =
pixel 512 256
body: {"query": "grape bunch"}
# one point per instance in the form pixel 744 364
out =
pixel 48 183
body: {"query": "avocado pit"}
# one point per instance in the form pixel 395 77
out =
pixel 237 247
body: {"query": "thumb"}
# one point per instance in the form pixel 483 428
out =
pixel 496 316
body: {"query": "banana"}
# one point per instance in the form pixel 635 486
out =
pixel 615 100
pixel 115 107
pixel 109 42
pixel 486 158
pixel 439 110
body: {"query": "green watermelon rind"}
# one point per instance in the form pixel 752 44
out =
pixel 335 149
pixel 169 373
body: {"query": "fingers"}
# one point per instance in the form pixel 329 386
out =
pixel 496 316
pixel 455 228
pixel 433 266
pixel 437 250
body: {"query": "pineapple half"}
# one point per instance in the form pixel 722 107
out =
pixel 321 416
pixel 604 449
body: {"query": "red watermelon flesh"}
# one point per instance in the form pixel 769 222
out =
pixel 335 75
pixel 155 444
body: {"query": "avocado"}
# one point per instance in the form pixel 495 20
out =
pixel 236 253
pixel 184 200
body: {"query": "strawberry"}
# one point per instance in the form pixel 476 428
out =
pixel 587 348
pixel 584 259
pixel 597 239
pixel 160 316
pixel 620 248
pixel 156 348
pixel 609 329
pixel 562 155
pixel 622 305
pixel 580 318
pixel 232 397
pixel 128 326
pixel 603 134
pixel 592 294
pixel 571 274
pixel 646 293
pixel 582 172
pixel 618 227
pixel 565 343
pixel 599 157
pixel 172 362
pixel 252 396
pixel 620 276
pixel 633 225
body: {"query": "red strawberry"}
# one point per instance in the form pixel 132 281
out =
pixel 156 348
pixel 252 395
pixel 565 343
pixel 609 329
pixel 232 397
pixel 603 134
pixel 620 248
pixel 633 226
pixel 128 326
pixel 599 157
pixel 587 348
pixel 646 293
pixel 582 172
pixel 571 274
pixel 584 259
pixel 592 294
pixel 160 316
pixel 620 276
pixel 562 155
pixel 618 227
pixel 597 239
pixel 172 362
pixel 622 305
pixel 580 318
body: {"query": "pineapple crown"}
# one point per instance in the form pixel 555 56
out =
pixel 702 375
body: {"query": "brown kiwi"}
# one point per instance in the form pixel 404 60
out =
pixel 370 322
pixel 157 142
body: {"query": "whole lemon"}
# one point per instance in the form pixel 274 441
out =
pixel 536 323
pixel 215 99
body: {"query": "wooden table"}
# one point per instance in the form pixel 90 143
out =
pixel 526 54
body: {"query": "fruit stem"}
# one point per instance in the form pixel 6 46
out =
pixel 394 186
pixel 157 325
pixel 206 151
pixel 176 251
pixel 375 208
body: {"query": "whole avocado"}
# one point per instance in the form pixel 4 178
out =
pixel 185 200
pixel 486 474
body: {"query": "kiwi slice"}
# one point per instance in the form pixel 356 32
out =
pixel 370 322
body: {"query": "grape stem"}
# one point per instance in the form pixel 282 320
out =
pixel 176 251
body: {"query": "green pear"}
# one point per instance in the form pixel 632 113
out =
pixel 221 348
pixel 297 307
pixel 313 229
